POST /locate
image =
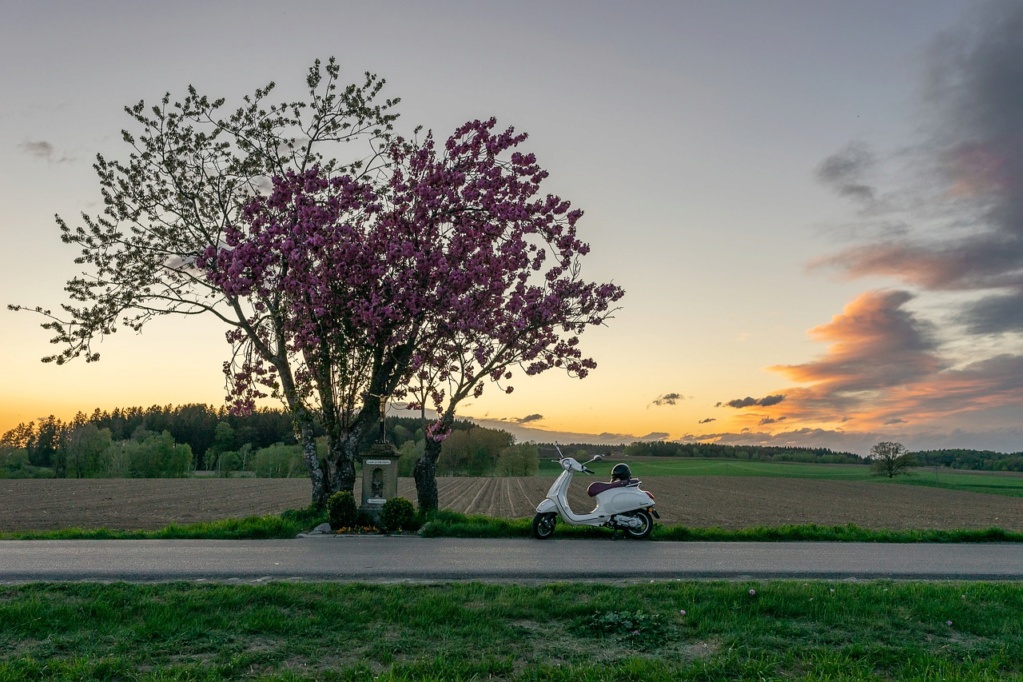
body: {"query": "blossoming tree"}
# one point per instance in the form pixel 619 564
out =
pixel 192 167
pixel 511 295
pixel 451 275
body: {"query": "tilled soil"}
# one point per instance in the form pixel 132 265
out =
pixel 696 501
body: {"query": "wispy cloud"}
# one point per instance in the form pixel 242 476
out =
pixel 41 149
pixel 667 399
pixel 656 435
pixel 523 420
pixel 615 437
pixel 708 420
pixel 740 403
pixel 846 170
pixel 964 196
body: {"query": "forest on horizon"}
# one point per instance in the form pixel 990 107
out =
pixel 184 440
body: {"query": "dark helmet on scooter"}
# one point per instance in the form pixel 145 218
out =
pixel 621 472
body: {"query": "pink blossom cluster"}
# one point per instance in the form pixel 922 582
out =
pixel 458 256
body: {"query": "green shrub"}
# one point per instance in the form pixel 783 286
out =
pixel 342 512
pixel 398 514
pixel 278 461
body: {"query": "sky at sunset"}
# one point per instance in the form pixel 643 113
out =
pixel 815 209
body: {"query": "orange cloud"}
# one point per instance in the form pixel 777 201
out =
pixel 875 344
pixel 881 369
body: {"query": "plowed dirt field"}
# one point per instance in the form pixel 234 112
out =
pixel 727 502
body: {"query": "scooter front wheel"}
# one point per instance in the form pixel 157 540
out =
pixel 646 525
pixel 543 525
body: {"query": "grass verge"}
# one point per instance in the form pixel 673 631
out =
pixel 286 525
pixel 661 631
pixel 450 524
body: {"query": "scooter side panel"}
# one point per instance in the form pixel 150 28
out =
pixel 623 500
pixel 546 506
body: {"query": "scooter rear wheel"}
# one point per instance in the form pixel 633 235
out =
pixel 543 525
pixel 644 530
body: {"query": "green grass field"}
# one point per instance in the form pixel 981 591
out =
pixel 952 479
pixel 662 631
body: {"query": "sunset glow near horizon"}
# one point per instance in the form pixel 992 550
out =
pixel 815 209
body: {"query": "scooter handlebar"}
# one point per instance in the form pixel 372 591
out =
pixel 587 471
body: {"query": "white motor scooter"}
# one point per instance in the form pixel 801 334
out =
pixel 621 505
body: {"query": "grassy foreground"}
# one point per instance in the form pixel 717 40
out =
pixel 661 631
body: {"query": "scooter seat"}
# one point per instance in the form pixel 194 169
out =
pixel 598 487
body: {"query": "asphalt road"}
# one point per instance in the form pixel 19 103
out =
pixel 417 559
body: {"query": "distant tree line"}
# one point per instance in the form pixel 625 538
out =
pixel 161 441
pixel 204 429
pixel 757 453
pixel 978 460
pixel 169 441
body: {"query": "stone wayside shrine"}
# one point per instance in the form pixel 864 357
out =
pixel 379 478
pixel 379 472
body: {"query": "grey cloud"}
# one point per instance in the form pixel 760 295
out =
pixel 748 401
pixel 606 436
pixel 964 187
pixel 771 420
pixel 668 399
pixel 988 383
pixel 845 170
pixel 42 149
pixel 529 418
pixel 896 420
pixel 656 435
pixel 39 149
pixel 707 420
pixel 994 314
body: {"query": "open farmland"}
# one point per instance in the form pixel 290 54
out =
pixel 729 502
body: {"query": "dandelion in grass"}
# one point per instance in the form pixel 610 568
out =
pixel 752 593
pixel 681 612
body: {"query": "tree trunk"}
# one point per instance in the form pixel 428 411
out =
pixel 341 453
pixel 425 474
pixel 320 484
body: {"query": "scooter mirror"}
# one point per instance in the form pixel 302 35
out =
pixel 598 458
